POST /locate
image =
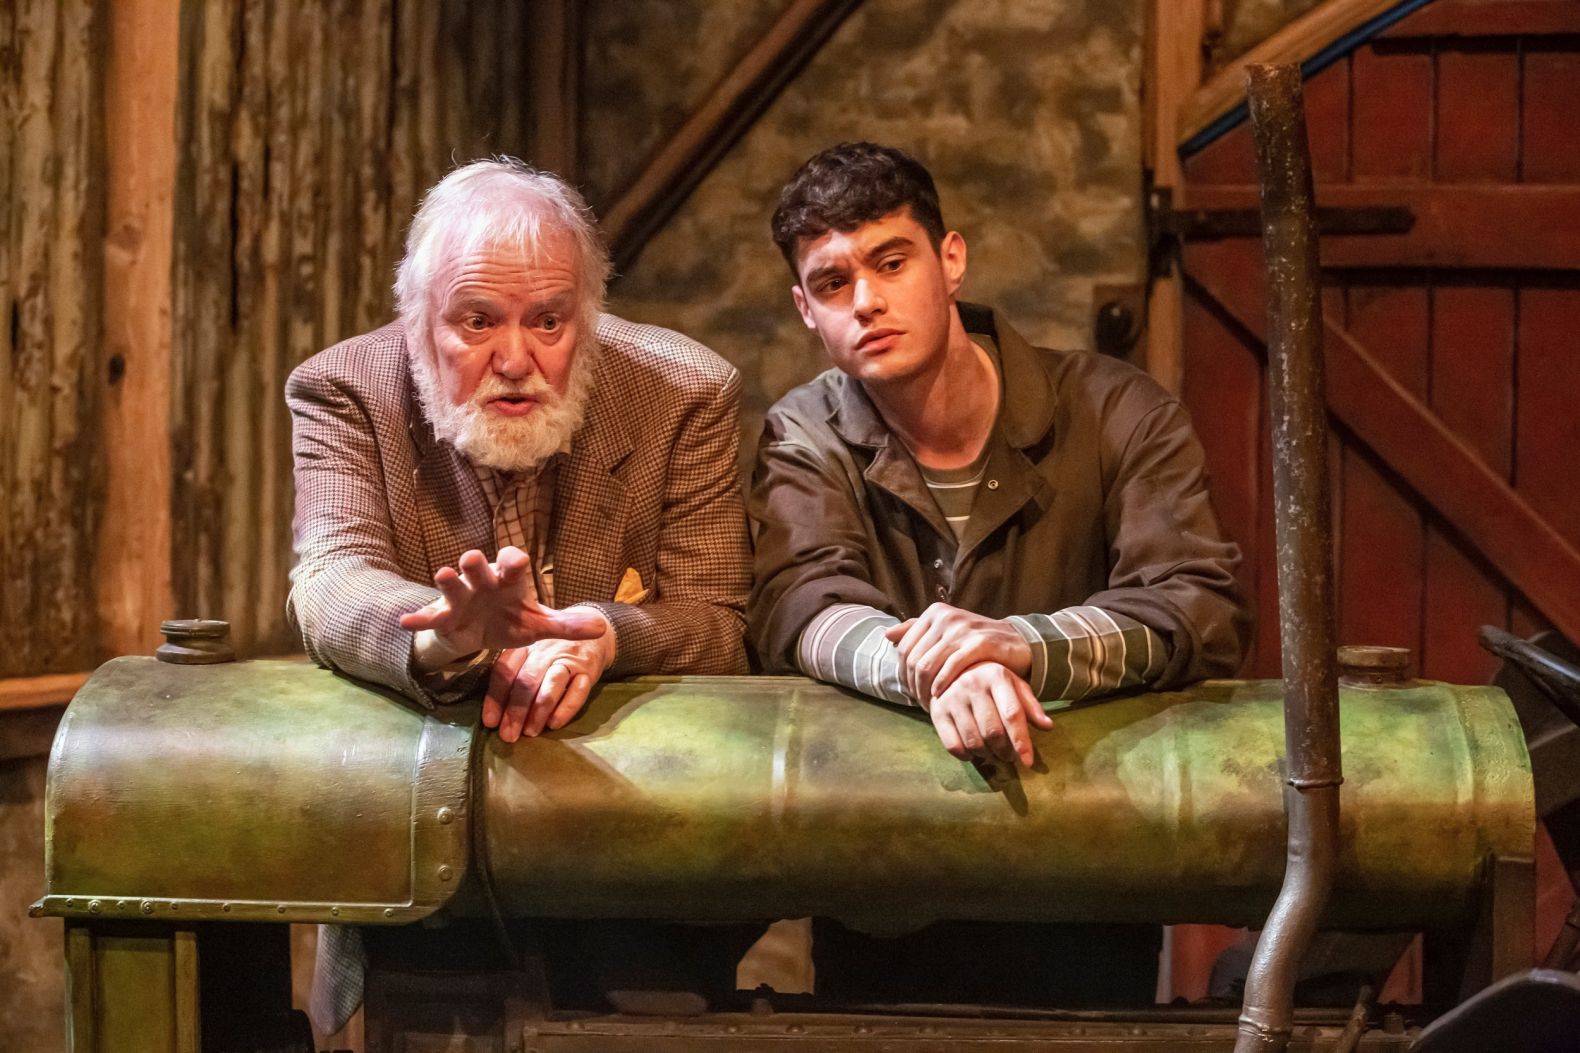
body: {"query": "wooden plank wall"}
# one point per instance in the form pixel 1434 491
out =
pixel 1488 350
pixel 51 226
pixel 308 132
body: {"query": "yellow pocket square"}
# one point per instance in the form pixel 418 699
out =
pixel 631 589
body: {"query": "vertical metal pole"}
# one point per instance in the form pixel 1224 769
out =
pixel 1305 553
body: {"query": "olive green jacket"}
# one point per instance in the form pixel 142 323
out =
pixel 1093 494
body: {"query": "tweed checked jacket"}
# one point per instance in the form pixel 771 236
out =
pixel 650 485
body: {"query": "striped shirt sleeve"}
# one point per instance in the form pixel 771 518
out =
pixel 1082 652
pixel 845 645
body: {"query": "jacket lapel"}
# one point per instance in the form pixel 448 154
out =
pixel 891 469
pixel 590 503
pixel 1026 415
pixel 452 510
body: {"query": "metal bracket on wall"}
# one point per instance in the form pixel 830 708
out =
pixel 1169 226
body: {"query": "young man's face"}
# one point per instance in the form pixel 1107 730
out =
pixel 879 296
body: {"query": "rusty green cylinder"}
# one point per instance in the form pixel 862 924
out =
pixel 284 790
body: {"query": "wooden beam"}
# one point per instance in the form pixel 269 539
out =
pixel 1524 227
pixel 1492 18
pixel 1299 41
pixel 556 67
pixel 1175 32
pixel 1425 452
pixel 35 692
pixel 134 544
pixel 722 118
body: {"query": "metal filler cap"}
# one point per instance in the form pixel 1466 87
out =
pixel 1372 666
pixel 195 641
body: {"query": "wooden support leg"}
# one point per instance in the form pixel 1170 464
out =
pixel 131 988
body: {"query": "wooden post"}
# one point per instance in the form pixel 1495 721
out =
pixel 134 545
pixel 1175 30
pixel 556 80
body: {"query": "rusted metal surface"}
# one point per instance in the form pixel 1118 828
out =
pixel 234 792
pixel 1305 552
pixel 190 787
pixel 772 797
pixel 838 1033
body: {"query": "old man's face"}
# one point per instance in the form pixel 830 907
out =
pixel 506 385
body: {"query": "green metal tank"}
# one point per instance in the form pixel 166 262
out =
pixel 276 791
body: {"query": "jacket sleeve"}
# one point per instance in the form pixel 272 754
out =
pixel 346 589
pixel 1172 569
pixel 811 548
pixel 694 620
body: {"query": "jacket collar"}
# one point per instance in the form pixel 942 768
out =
pixel 1026 405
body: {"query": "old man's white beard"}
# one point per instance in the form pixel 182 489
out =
pixel 507 444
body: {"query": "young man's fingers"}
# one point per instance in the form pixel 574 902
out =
pixel 571 704
pixel 1010 711
pixel 894 633
pixel 1031 705
pixel 948 734
pixel 917 643
pixel 506 666
pixel 928 663
pixel 550 693
pixel 959 660
pixel 995 738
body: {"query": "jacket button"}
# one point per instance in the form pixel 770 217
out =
pixel 938 564
pixel 992 484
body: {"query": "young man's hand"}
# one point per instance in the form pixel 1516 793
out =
pixel 984 713
pixel 544 685
pixel 946 641
pixel 486 604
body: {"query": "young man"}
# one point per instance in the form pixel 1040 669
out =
pixel 954 519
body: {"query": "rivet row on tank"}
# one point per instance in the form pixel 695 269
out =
pixel 279 908
pixel 225 907
pixel 121 905
pixel 389 912
pixel 445 873
pixel 334 911
pixel 71 903
pixel 148 906
pixel 445 815
pixel 94 906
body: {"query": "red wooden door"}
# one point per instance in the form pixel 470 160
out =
pixel 1454 364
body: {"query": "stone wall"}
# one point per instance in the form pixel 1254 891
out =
pixel 1028 114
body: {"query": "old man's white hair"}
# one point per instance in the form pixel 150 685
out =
pixel 499 204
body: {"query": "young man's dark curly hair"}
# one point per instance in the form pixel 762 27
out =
pixel 851 184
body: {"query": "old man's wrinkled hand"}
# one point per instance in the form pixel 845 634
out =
pixel 490 605
pixel 544 685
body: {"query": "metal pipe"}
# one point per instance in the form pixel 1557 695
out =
pixel 1305 553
